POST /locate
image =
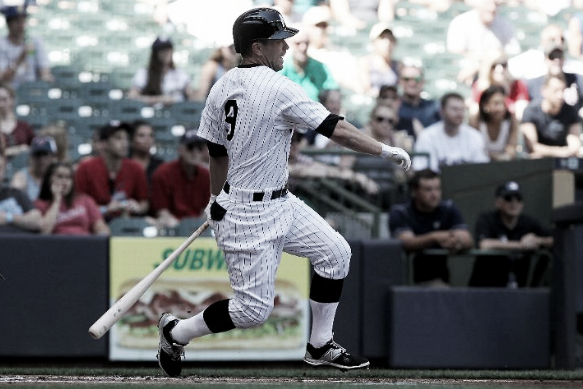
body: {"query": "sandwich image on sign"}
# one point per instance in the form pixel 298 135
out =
pixel 283 330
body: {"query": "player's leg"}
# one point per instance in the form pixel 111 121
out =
pixel 312 237
pixel 252 269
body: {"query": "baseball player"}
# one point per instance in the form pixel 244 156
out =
pixel 250 116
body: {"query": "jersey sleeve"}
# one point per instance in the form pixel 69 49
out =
pixel 210 124
pixel 297 110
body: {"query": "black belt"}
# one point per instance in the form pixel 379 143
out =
pixel 258 196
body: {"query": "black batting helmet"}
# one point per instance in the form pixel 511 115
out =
pixel 259 23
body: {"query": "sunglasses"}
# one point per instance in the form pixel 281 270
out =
pixel 193 146
pixel 407 79
pixel 555 55
pixel 509 198
pixel 503 64
pixel 381 119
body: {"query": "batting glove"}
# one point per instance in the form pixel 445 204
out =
pixel 397 155
pixel 207 210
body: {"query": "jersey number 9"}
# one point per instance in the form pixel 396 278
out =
pixel 231 110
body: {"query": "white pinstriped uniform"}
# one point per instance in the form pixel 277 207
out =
pixel 253 234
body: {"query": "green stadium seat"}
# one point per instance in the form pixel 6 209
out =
pixel 132 226
pixel 33 91
pixel 187 113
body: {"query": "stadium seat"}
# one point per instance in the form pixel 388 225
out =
pixel 128 110
pixel 33 91
pixel 187 113
pixel 65 74
pixel 132 226
pixel 121 77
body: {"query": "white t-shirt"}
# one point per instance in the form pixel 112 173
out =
pixel 252 112
pixel 30 68
pixel 467 146
pixel 173 84
pixel 466 33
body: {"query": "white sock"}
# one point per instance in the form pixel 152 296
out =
pixel 187 329
pixel 322 322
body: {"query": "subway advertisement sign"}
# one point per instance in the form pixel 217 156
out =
pixel 196 279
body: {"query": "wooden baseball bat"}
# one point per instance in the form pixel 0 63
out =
pixel 119 308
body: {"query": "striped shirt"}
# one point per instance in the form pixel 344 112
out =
pixel 252 111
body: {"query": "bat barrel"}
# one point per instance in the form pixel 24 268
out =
pixel 117 310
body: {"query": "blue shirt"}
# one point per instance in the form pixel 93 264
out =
pixel 427 111
pixel 406 217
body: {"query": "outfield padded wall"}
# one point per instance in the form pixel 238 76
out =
pixel 54 289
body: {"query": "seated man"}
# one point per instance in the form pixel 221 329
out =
pixel 116 183
pixel 426 222
pixel 450 141
pixel 551 127
pixel 181 188
pixel 17 213
pixel 507 228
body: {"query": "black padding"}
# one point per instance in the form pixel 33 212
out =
pixel 474 328
pixel 328 125
pixel 325 290
pixel 217 317
pixel 216 150
pixel 54 288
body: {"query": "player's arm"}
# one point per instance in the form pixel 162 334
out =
pixel 218 166
pixel 412 242
pixel 351 137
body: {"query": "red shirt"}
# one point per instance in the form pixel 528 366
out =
pixel 92 178
pixel 77 220
pixel 518 91
pixel 182 196
pixel 21 135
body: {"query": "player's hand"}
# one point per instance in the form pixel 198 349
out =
pixel 207 210
pixel 397 155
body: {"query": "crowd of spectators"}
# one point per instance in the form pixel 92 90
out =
pixel 512 110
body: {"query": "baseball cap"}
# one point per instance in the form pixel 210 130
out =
pixel 162 43
pixel 112 127
pixel 508 188
pixel 378 29
pixel 191 137
pixel 43 144
pixel 12 12
pixel 317 15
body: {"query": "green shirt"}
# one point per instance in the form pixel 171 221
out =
pixel 315 78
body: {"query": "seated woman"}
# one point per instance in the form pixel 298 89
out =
pixel 161 82
pixel 64 211
pixel 494 71
pixel 498 126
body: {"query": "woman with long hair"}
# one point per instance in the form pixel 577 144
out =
pixel 494 71
pixel 63 210
pixel 497 124
pixel 162 82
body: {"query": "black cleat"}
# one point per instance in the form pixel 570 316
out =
pixel 332 354
pixel 169 353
